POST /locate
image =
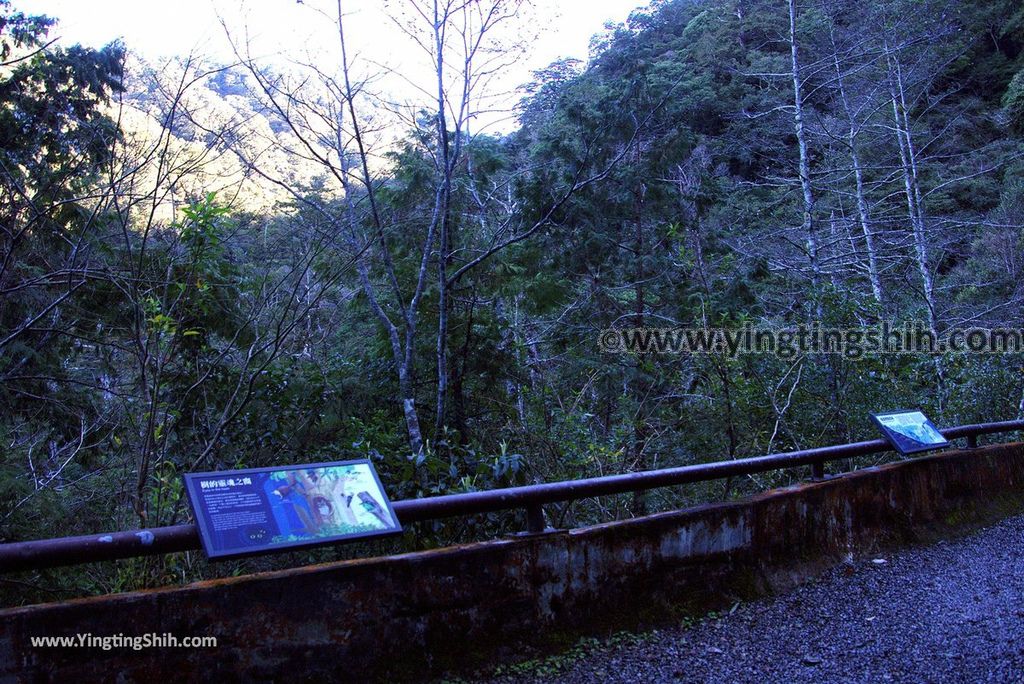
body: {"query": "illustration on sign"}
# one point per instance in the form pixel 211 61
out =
pixel 910 431
pixel 243 512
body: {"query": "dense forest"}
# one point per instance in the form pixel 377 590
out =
pixel 214 266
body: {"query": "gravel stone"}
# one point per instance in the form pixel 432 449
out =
pixel 949 612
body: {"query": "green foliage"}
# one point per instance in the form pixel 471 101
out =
pixel 1013 101
pixel 134 349
pixel 18 31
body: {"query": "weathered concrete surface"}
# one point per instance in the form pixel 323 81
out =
pixel 942 613
pixel 415 614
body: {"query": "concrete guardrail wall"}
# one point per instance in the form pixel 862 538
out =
pixel 416 614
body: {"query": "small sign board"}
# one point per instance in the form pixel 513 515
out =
pixel 261 510
pixel 910 432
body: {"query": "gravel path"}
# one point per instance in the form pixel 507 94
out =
pixel 950 612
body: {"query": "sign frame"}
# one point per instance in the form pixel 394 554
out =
pixel 193 493
pixel 905 444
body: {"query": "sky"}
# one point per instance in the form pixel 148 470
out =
pixel 285 30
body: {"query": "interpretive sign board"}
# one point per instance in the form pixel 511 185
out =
pixel 910 431
pixel 261 510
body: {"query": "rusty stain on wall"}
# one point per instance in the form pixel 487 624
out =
pixel 407 616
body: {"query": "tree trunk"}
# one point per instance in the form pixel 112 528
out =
pixel 459 379
pixel 809 226
pixel 412 420
pixel 863 214
pixel 640 387
pixel 908 163
pixel 444 214
pixel 915 207
pixel 401 350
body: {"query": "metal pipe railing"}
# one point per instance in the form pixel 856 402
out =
pixel 46 553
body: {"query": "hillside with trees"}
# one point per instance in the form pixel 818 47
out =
pixel 215 266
